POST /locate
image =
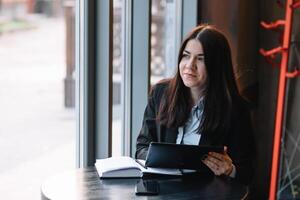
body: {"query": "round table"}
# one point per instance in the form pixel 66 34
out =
pixel 86 184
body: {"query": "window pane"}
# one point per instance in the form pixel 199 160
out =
pixel 37 95
pixel 163 39
pixel 117 79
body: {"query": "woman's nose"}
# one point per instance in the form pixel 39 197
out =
pixel 191 63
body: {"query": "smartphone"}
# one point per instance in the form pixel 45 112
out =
pixel 147 187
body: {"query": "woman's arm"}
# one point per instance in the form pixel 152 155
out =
pixel 237 159
pixel 241 145
pixel 148 132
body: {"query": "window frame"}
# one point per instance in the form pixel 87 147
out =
pixel 94 34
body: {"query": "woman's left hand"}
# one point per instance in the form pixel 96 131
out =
pixel 219 163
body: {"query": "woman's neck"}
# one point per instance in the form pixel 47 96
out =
pixel 196 94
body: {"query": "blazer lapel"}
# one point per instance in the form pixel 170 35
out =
pixel 171 135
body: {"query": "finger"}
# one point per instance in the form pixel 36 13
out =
pixel 223 167
pixel 221 157
pixel 226 168
pixel 214 160
pixel 217 166
pixel 216 155
pixel 226 153
pixel 211 166
pixel 218 170
pixel 229 170
pixel 221 170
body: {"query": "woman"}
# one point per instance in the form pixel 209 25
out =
pixel 201 105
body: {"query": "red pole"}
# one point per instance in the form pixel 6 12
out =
pixel 280 100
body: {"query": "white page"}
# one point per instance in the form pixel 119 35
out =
pixel 115 163
pixel 166 171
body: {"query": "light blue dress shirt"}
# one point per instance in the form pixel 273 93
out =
pixel 188 134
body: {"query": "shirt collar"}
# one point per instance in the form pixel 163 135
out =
pixel 198 108
pixel 199 104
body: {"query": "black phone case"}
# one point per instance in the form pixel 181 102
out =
pixel 148 187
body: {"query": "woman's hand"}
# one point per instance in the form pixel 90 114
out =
pixel 219 163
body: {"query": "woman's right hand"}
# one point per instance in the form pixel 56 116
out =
pixel 219 163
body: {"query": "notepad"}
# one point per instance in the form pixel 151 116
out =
pixel 127 167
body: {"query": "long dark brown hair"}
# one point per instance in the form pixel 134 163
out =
pixel 221 90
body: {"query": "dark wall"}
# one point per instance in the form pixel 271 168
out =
pixel 238 20
pixel 257 79
pixel 264 115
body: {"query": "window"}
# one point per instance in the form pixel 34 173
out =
pixel 37 89
pixel 122 45
pixel 165 39
pixel 117 138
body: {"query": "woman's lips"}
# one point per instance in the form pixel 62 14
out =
pixel 188 75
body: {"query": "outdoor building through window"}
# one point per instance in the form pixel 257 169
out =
pixel 117 138
pixel 37 90
pixel 162 63
pixel 163 39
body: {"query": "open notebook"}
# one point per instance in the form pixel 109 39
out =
pixel 127 167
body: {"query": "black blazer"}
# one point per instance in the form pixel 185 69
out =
pixel 238 139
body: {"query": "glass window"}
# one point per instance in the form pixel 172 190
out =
pixel 164 39
pixel 37 87
pixel 117 79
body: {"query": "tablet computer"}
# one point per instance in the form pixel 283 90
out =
pixel 180 156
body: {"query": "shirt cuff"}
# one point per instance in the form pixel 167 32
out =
pixel 233 172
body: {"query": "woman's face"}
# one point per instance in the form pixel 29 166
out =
pixel 192 67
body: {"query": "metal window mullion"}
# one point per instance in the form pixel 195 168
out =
pixel 89 120
pixel 140 76
pixel 85 82
pixel 103 78
pixel 78 106
pixel 178 26
pixel 126 76
pixel 79 64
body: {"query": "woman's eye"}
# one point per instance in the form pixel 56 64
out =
pixel 200 58
pixel 185 55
